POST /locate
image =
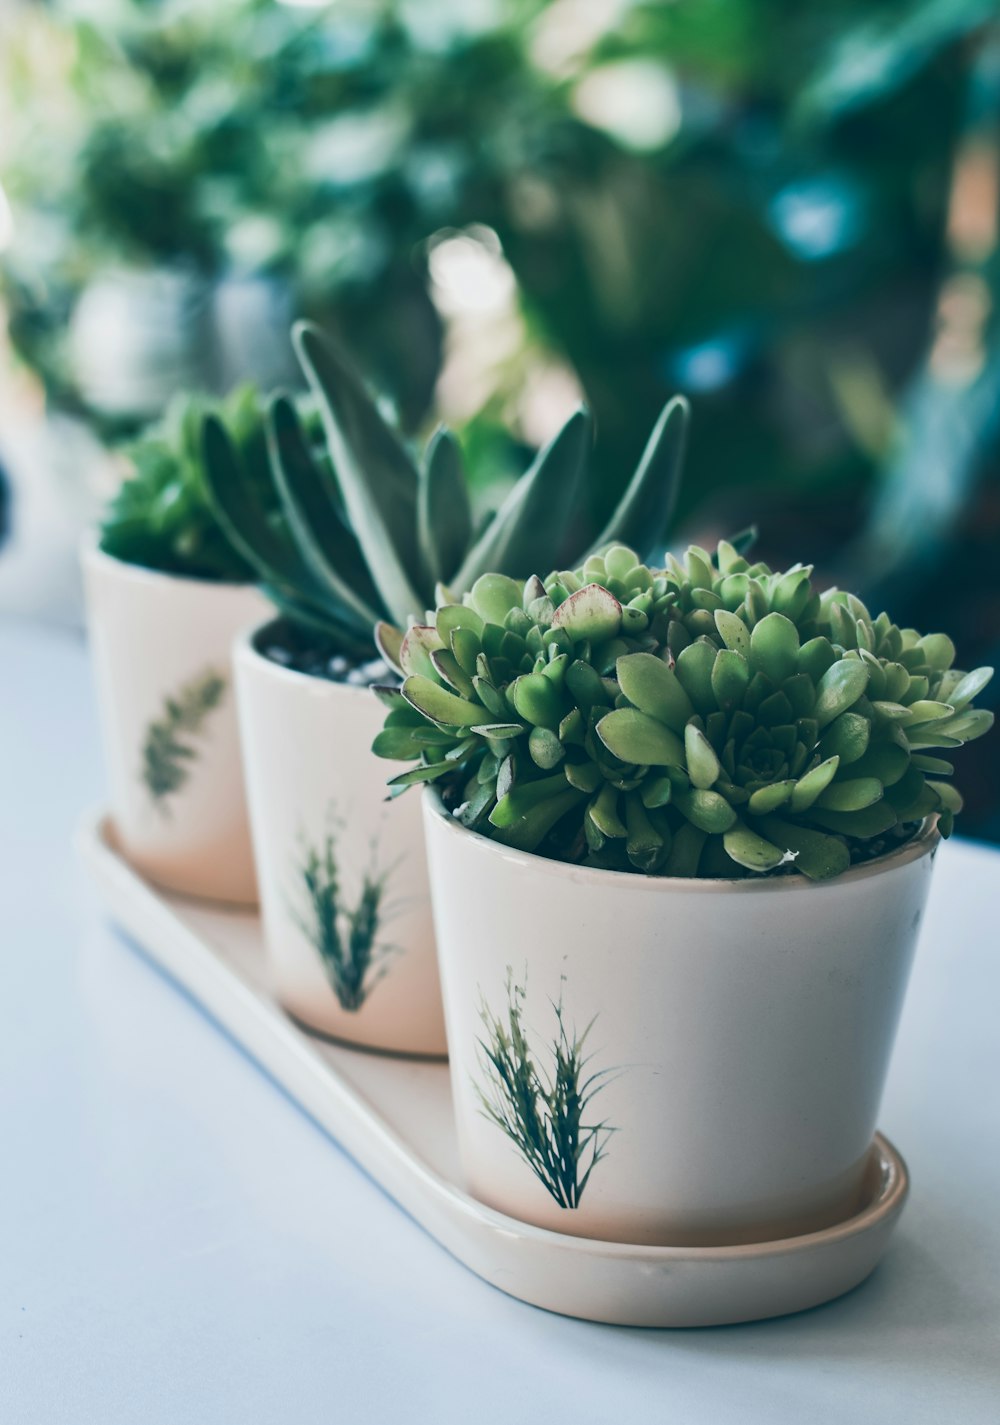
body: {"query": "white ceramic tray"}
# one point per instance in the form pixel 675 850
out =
pixel 394 1117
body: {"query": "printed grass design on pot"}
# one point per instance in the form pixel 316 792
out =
pixel 542 1110
pixel 346 938
pixel 168 752
pixel 709 719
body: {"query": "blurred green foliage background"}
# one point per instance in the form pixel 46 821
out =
pixel 787 210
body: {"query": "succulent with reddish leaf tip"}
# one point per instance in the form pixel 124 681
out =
pixel 709 719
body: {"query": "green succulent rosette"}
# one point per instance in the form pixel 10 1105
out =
pixel 712 718
pixel 162 517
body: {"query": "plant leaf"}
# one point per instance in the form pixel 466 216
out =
pixel 325 544
pixel 439 705
pixel 642 515
pixel 854 794
pixel 444 516
pixel 702 764
pixel 633 737
pixel 817 855
pixel 265 546
pixel 518 539
pixel 654 688
pixel 377 478
pixel 839 688
pixel 748 849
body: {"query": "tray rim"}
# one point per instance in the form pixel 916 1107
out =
pixel 108 868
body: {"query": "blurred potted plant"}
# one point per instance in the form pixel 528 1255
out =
pixel 166 595
pixel 680 834
pixel 366 537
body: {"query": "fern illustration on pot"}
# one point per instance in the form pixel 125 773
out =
pixel 347 936
pixel 168 751
pixel 166 595
pixel 543 1108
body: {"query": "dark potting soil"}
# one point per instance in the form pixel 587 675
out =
pixel 320 658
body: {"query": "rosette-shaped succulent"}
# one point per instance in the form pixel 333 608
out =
pixel 710 719
pixel 161 517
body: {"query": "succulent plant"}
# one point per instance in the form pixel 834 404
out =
pixel 369 534
pixel 709 719
pixel 162 517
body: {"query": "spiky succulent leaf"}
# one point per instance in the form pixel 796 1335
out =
pixel 520 535
pixel 644 512
pixel 444 515
pixel 354 531
pixel 323 539
pixel 377 478
pixel 265 543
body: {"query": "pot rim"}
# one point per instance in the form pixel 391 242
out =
pixel 924 843
pixel 245 651
pixel 92 553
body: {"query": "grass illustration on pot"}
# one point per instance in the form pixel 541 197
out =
pixel 543 1110
pixel 346 938
pixel 168 753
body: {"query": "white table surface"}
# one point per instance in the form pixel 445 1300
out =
pixel 179 1244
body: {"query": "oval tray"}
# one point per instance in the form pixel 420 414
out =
pixel 394 1116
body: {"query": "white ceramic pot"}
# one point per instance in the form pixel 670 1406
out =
pixel 342 870
pixel 161 655
pixel 739 1036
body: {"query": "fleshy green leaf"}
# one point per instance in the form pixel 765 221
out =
pixel 591 613
pixel 389 642
pixel 813 783
pixel 493 596
pixel 702 764
pixel 733 631
pixel 748 849
pixel 774 647
pixel 706 810
pixel 816 855
pixel 839 688
pixel 730 677
pixel 868 822
pixel 694 669
pixel 439 705
pixel 653 687
pixel 685 851
pixel 851 795
pixel 847 737
pixel 970 687
pixel 634 737
pixel 770 798
pixel 529 830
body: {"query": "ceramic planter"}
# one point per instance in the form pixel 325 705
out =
pixel 737 1037
pixel 342 871
pixel 161 656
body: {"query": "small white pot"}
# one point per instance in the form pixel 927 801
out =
pixel 161 654
pixel 740 1032
pixel 317 795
